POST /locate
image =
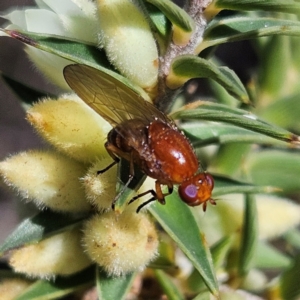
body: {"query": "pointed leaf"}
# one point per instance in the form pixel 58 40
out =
pixel 75 52
pixel 34 229
pixel 249 235
pixel 225 185
pixel 268 257
pixel 111 288
pixel 202 110
pixel 202 134
pixel 293 238
pixel 243 28
pixel 289 281
pixel 220 250
pixel 279 168
pixel 159 20
pixel 178 221
pixel 186 67
pixel 283 112
pixel 289 6
pixel 169 287
pixel 175 14
pixel 45 290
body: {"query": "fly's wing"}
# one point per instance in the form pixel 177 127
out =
pixel 110 98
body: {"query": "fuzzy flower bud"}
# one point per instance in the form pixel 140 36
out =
pixel 101 188
pixel 121 244
pixel 60 254
pixel 48 178
pixel 71 126
pixel 128 41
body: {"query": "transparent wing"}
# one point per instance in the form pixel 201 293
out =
pixel 112 99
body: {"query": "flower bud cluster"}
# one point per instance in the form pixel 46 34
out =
pixel 65 180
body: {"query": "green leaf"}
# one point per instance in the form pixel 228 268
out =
pixel 202 134
pixel 34 229
pixel 209 111
pixel 45 290
pixel 279 168
pixel 249 235
pixel 75 52
pixel 171 290
pixel 243 28
pixel 229 158
pixel 293 238
pixel 159 20
pixel 186 67
pixel 111 288
pixel 275 66
pixel 225 185
pixel 289 281
pixel 202 296
pixel 289 6
pixel 268 257
pixel 175 14
pixel 220 250
pixel 178 221
pixel 283 112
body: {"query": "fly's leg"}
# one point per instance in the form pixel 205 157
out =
pixel 130 177
pixel 156 195
pixel 111 150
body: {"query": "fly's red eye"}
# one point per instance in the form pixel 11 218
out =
pixel 188 193
pixel 196 190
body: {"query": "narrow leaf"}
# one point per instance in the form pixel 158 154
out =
pixel 268 257
pixel 220 250
pixel 289 6
pixel 75 52
pixel 289 281
pixel 159 20
pixel 243 28
pixel 62 286
pixel 279 168
pixel 283 112
pixel 175 14
pixel 209 111
pixel 111 288
pixel 225 185
pixel 186 67
pixel 293 238
pixel 34 229
pixel 249 235
pixel 202 134
pixel 171 290
pixel 178 221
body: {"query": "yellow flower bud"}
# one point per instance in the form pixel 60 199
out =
pixel 121 244
pixel 71 126
pixel 11 288
pixel 101 188
pixel 128 41
pixel 60 254
pixel 49 179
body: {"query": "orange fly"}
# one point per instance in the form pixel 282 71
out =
pixel 144 136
